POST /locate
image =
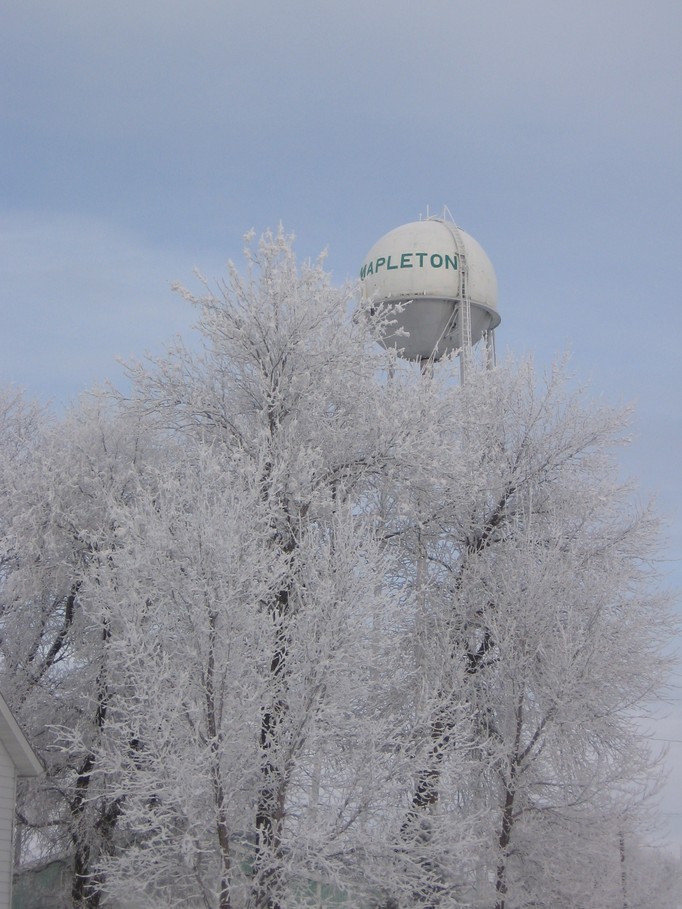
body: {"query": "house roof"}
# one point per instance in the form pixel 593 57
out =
pixel 16 744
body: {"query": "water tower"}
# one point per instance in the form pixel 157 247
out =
pixel 438 288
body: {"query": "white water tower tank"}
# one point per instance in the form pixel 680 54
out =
pixel 421 267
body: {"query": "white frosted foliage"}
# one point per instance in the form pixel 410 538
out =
pixel 293 624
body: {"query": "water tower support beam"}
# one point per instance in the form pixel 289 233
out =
pixel 489 341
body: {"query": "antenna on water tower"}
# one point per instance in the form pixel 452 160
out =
pixel 438 287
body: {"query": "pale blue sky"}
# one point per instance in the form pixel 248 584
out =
pixel 140 140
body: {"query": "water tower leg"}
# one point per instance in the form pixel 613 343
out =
pixel 489 340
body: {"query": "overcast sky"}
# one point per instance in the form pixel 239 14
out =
pixel 141 140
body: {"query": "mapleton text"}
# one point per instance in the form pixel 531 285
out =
pixel 408 260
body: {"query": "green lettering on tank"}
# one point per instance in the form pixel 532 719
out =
pixel 435 260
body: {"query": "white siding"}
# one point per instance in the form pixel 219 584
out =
pixel 7 795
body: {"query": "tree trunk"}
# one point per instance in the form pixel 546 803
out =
pixel 507 824
pixel 82 893
pixel 270 806
pixel 623 872
pixel 85 888
pixel 222 823
pixel 503 845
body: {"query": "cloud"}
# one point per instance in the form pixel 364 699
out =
pixel 76 294
pixel 131 69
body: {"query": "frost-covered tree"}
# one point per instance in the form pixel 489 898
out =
pixel 537 578
pixel 191 587
pixel 280 436
pixel 58 482
pixel 299 624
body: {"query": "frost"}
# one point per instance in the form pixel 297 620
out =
pixel 292 625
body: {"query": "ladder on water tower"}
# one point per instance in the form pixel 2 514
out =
pixel 464 298
pixel 464 302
